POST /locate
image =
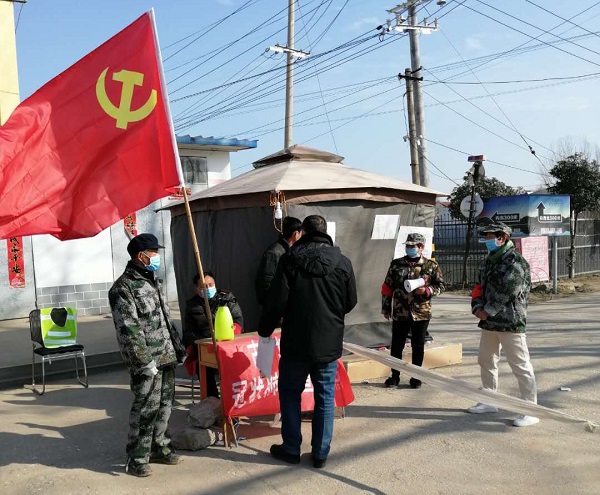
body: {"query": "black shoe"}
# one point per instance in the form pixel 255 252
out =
pixel 278 453
pixel 392 381
pixel 170 459
pixel 318 463
pixel 139 470
pixel 414 383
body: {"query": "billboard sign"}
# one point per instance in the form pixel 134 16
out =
pixel 530 214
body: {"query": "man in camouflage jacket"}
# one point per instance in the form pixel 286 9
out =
pixel 150 347
pixel 410 311
pixel 499 300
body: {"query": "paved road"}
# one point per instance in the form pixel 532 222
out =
pixel 393 441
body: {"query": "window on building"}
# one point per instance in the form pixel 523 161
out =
pixel 195 169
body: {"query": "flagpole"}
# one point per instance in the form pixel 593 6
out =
pixel 189 217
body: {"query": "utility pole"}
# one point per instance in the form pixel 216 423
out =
pixel 289 73
pixel 289 78
pixel 414 29
pixel 415 63
pixel 412 131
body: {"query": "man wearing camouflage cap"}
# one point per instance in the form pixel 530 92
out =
pixel 499 300
pixel 410 311
pixel 151 348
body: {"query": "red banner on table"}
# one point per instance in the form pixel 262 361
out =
pixel 16 264
pixel 245 393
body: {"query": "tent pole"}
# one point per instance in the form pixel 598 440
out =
pixel 207 309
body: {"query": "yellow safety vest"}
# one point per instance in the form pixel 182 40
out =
pixel 55 335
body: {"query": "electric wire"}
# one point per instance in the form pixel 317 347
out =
pixel 204 31
pixel 562 18
pixel 514 127
pixel 320 88
pixel 530 36
pixel 252 95
pixel 19 17
pixel 536 27
pixel 523 46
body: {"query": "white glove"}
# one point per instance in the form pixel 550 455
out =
pixel 150 369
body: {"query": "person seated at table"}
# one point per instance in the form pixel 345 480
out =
pixel 196 323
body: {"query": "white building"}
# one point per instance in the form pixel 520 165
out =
pixel 79 272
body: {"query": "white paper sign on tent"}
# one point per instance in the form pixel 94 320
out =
pixel 331 230
pixel 385 226
pixel 403 232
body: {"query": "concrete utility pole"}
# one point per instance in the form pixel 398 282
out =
pixel 289 75
pixel 412 130
pixel 414 29
pixel 415 63
pixel 289 78
pixel 9 80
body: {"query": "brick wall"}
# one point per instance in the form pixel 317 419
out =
pixel 89 299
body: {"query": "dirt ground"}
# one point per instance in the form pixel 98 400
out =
pixel 566 287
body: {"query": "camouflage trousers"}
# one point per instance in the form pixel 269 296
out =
pixel 149 416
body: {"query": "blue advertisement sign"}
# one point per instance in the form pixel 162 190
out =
pixel 530 214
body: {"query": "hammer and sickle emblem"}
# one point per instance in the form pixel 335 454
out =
pixel 123 114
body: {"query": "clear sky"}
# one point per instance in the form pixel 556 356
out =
pixel 348 100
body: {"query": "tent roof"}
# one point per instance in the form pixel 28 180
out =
pixel 298 152
pixel 304 174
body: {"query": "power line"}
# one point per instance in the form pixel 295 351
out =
pixel 529 36
pixel 253 95
pixel 521 48
pixel 319 80
pixel 513 81
pixel 206 30
pixel 19 17
pixel 487 160
pixel 562 18
pixel 536 27
pixel 477 124
pixel 495 102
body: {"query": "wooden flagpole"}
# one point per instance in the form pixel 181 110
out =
pixel 188 212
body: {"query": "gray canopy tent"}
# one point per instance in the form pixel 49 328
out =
pixel 234 224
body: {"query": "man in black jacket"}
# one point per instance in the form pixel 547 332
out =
pixel 290 233
pixel 196 323
pixel 313 289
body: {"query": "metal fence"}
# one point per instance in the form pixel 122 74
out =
pixel 449 237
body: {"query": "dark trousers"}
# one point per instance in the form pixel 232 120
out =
pixel 417 330
pixel 292 380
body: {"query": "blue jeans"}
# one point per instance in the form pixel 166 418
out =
pixel 292 380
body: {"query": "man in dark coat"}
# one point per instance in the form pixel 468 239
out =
pixel 313 289
pixel 196 323
pixel 290 233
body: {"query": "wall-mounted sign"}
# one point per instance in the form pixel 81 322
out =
pixel 530 214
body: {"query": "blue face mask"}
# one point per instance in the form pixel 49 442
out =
pixel 210 292
pixel 492 245
pixel 412 252
pixel 154 264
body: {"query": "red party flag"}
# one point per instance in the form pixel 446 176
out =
pixel 92 145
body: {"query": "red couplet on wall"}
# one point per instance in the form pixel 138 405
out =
pixel 16 264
